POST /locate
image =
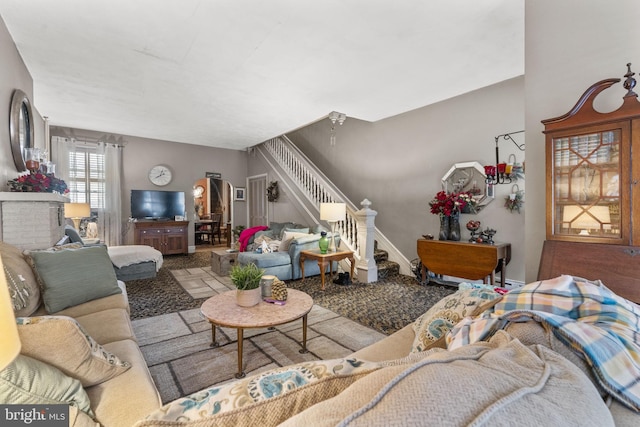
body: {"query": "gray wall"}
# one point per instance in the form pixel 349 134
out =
pixel 13 75
pixel 187 162
pixel 397 163
pixel 286 208
pixel 569 46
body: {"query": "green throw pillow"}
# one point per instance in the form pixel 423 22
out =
pixel 74 276
pixel 30 381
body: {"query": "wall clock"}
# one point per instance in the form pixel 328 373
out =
pixel 160 175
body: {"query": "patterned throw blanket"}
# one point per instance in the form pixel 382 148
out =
pixel 594 321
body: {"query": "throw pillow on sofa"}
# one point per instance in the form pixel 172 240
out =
pixel 443 316
pixel 60 341
pixel 74 276
pixel 287 238
pixel 23 285
pixel 30 381
pixel 270 397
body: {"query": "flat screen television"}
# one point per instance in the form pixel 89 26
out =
pixel 158 205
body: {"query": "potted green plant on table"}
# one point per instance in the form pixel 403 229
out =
pixel 246 278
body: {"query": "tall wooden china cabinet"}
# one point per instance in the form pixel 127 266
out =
pixel 593 195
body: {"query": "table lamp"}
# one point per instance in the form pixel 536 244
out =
pixel 77 211
pixel 579 217
pixel 332 213
pixel 8 330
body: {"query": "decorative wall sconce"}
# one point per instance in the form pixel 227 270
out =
pixel 334 116
pixel 503 172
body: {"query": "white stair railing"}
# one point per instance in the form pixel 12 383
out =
pixel 358 225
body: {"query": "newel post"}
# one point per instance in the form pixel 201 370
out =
pixel 366 265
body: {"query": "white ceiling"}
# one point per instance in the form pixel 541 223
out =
pixel 234 73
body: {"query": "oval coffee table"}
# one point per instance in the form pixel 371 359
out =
pixel 222 310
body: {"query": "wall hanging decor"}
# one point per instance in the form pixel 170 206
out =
pixel 514 200
pixel 272 191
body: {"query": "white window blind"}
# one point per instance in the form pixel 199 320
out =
pixel 87 177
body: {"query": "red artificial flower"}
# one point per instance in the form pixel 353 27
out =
pixel 38 183
pixel 448 204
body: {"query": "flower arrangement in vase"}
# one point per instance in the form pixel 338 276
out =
pixel 449 206
pixel 37 182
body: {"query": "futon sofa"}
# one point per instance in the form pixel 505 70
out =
pixel 77 341
pixel 284 263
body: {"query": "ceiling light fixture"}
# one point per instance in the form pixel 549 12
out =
pixel 334 116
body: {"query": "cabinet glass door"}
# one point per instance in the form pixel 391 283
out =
pixel 587 185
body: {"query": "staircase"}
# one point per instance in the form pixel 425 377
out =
pixel 386 268
pixel 309 187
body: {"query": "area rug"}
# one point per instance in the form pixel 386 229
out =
pixel 386 306
pixel 163 294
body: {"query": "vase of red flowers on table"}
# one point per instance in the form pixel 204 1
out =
pixel 448 206
pixel 36 182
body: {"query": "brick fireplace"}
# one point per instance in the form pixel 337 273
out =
pixel 32 220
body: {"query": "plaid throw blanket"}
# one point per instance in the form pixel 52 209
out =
pixel 594 321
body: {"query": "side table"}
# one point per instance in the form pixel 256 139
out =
pixel 473 261
pixel 222 310
pixel 324 259
pixel 222 261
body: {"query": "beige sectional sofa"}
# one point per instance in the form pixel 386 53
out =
pixel 128 393
pixel 523 375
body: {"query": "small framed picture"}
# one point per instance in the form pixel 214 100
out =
pixel 241 194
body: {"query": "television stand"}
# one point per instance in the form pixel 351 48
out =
pixel 169 237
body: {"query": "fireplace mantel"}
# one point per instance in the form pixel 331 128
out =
pixel 17 196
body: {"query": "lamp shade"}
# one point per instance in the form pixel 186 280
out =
pixel 77 210
pixel 581 217
pixel 8 330
pixel 333 211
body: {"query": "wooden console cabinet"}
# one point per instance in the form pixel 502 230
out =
pixel 169 237
pixel 473 261
pixel 593 196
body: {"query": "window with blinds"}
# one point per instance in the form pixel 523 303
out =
pixel 87 177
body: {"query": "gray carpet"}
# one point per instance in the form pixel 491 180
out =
pixel 177 348
pixel 386 305
pixel 163 294
pixel 175 339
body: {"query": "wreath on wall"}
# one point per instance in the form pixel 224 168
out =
pixel 272 191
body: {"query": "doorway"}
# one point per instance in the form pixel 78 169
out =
pixel 257 190
pixel 214 196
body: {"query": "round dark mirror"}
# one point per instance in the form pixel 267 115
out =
pixel 20 128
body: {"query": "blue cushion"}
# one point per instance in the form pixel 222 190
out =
pixel 74 237
pixel 264 260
